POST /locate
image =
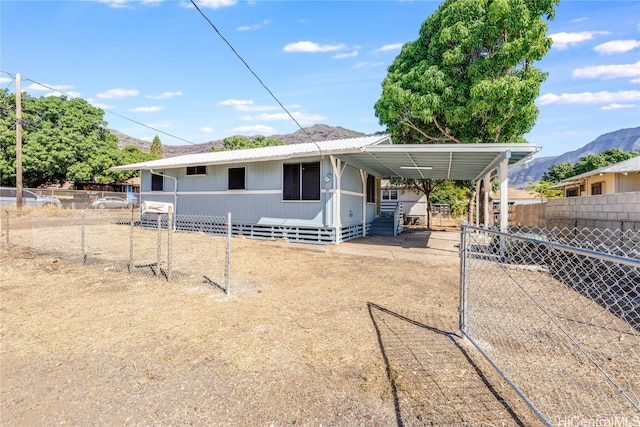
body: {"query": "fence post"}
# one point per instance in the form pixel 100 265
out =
pixel 463 278
pixel 169 236
pixel 6 227
pixel 159 242
pixel 83 252
pixel 228 284
pixel 131 228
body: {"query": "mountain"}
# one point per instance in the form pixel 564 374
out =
pixel 316 132
pixel 523 173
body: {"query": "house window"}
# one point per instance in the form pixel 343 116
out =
pixel 371 189
pixel 157 182
pixel 572 192
pixel 196 170
pixel 301 181
pixel 596 188
pixel 236 178
pixel 389 194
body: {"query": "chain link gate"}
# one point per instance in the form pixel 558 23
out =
pixel 559 322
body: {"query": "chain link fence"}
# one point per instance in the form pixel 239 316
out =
pixel 557 313
pixel 176 248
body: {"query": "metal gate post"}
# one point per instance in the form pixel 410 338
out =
pixel 463 277
pixel 83 252
pixel 169 236
pixel 228 284
pixel 159 243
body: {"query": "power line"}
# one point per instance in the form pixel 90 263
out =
pixel 254 74
pixel 106 111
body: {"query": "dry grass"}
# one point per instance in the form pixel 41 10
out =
pixel 308 337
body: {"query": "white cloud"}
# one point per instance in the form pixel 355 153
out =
pixel 99 104
pixel 312 47
pixel 205 129
pixel 4 80
pixel 302 118
pixel 216 4
pixel 578 20
pixel 365 64
pixel 607 72
pixel 346 55
pixel 118 93
pixel 246 105
pixel 603 97
pixel 564 40
pixel 389 47
pixel 617 106
pixel 165 95
pixel 36 87
pixel 254 130
pixel 235 102
pixel 151 109
pixel 254 27
pixel 617 46
pixel 118 4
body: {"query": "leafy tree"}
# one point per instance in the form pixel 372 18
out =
pixel 128 155
pixel 469 76
pixel 556 173
pixel 596 161
pixel 240 142
pixel 544 190
pixel 63 140
pixel 156 148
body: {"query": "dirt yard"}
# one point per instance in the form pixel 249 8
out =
pixel 348 335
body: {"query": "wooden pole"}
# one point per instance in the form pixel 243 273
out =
pixel 18 143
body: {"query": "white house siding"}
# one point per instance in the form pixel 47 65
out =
pixel 261 202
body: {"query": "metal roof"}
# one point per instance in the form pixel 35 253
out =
pixel 375 154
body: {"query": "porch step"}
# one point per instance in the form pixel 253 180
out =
pixel 382 225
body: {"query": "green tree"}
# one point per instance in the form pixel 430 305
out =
pixel 128 155
pixel 469 76
pixel 556 173
pixel 544 190
pixel 63 140
pixel 240 142
pixel 156 148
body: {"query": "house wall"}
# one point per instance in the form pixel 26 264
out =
pixel 628 183
pixel 261 202
pixel 613 211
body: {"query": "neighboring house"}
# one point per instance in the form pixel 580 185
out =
pixel 516 197
pixel 414 205
pixel 623 177
pixel 321 192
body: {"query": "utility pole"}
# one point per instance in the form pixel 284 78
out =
pixel 18 143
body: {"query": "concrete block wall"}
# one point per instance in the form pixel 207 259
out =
pixel 612 211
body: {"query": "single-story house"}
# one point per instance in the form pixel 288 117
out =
pixel 622 177
pixel 323 192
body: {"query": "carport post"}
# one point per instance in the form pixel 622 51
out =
pixel 463 277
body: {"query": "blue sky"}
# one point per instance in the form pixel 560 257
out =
pixel 161 64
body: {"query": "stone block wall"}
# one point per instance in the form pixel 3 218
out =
pixel 612 211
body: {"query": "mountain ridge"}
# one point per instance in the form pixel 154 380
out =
pixel 520 175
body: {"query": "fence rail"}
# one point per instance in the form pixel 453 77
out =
pixel 559 320
pixel 192 250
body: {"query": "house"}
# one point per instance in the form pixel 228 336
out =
pixel 321 192
pixel 622 177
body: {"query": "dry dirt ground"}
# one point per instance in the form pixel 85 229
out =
pixel 364 333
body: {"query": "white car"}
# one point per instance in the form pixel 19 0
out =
pixel 111 202
pixel 29 198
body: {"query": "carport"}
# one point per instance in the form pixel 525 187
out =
pixel 474 162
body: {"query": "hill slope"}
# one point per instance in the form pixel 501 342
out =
pixel 316 132
pixel 625 139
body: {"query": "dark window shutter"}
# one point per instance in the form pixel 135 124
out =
pixel 291 181
pixel 371 188
pixel 236 178
pixel 311 181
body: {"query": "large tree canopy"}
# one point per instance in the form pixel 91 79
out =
pixel 63 140
pixel 469 76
